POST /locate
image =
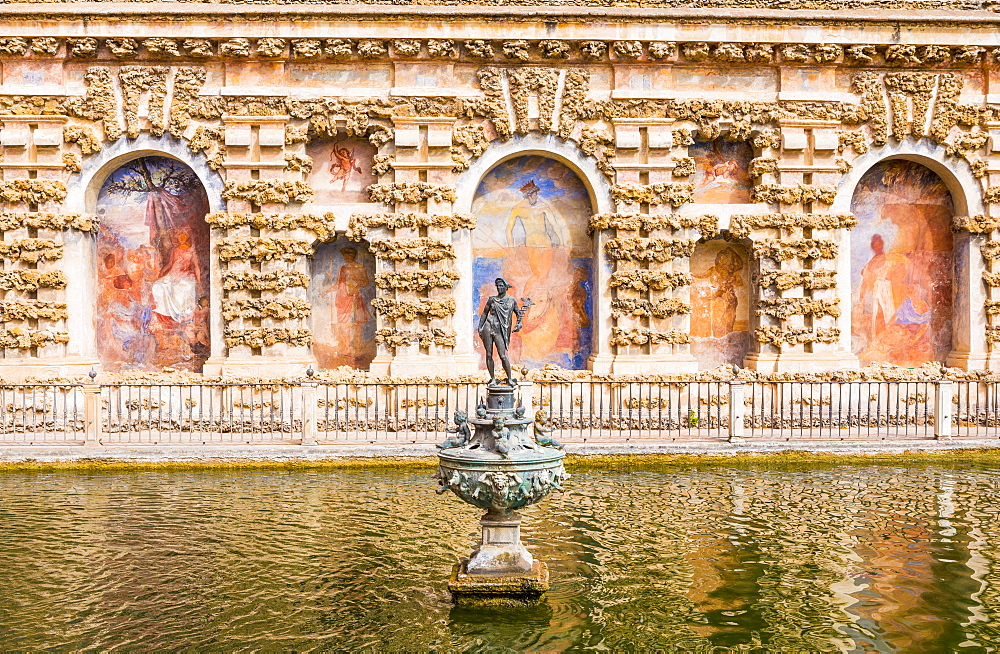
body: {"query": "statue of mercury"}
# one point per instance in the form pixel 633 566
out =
pixel 495 329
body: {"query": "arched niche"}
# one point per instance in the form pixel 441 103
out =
pixel 532 215
pixel 955 173
pixel 549 146
pixel 152 267
pixel 902 264
pixel 341 291
pixel 84 187
pixel 720 303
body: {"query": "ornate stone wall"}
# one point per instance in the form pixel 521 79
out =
pixel 244 91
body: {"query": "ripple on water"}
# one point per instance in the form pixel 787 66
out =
pixel 841 559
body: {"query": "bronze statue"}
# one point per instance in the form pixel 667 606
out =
pixel 495 328
pixel 542 433
pixel 462 433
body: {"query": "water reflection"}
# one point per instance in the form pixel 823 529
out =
pixel 846 559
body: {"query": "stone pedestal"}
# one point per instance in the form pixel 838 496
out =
pixel 514 589
pixel 500 551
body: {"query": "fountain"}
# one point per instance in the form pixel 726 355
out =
pixel 501 467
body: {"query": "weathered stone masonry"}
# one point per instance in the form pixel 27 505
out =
pixel 232 90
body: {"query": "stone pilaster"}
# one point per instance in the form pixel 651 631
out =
pixel 643 244
pixel 798 325
pixel 419 188
pixel 976 316
pixel 259 180
pixel 45 273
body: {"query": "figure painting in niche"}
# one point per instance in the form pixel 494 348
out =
pixel 152 251
pixel 343 288
pixel 720 318
pixel 341 170
pixel 343 164
pixel 721 171
pixel 902 263
pixel 532 215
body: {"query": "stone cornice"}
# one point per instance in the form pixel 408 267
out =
pixel 142 58
pixel 901 13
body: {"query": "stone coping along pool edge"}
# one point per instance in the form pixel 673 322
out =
pixel 363 455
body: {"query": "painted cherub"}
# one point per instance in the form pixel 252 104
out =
pixel 462 434
pixel 342 164
pixel 542 432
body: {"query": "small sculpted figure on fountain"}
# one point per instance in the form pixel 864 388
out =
pixel 462 433
pixel 501 436
pixel 542 432
pixel 495 328
pixel 525 440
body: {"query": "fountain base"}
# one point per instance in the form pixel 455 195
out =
pixel 500 551
pixel 510 589
pixel 501 467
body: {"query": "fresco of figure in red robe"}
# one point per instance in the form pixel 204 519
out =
pixel 902 264
pixel 343 287
pixel 153 269
pixel 720 306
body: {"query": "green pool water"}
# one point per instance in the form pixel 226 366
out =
pixel 853 558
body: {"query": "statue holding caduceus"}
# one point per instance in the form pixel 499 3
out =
pixel 495 327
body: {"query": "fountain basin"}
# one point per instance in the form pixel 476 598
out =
pixel 490 481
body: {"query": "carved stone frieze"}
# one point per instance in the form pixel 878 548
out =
pixel 16 311
pixel 321 226
pixel 254 280
pixel 266 336
pixel 394 338
pixel 807 279
pixel 273 309
pixel 258 249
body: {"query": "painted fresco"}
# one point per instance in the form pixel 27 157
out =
pixel 532 217
pixel 342 170
pixel 153 268
pixel 720 304
pixel 902 264
pixel 342 288
pixel 721 171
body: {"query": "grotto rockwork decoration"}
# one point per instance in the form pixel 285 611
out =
pixel 153 267
pixel 298 132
